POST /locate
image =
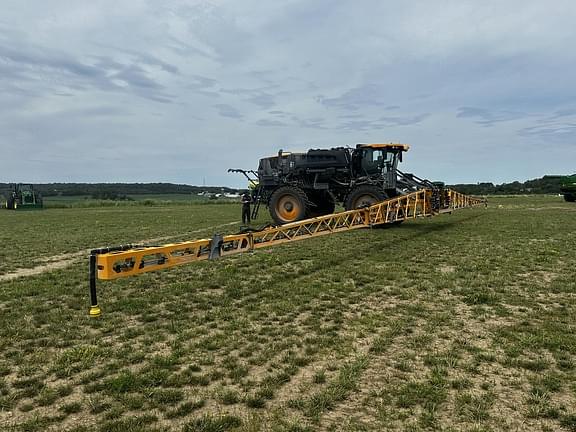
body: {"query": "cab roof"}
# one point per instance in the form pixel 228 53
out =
pixel 403 147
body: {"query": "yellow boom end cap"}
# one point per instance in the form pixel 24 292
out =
pixel 95 311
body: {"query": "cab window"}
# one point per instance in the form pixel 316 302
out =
pixel 372 161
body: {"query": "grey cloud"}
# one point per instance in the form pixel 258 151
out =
pixel 293 120
pixel 403 121
pixel 99 111
pixel 54 69
pixel 209 94
pixel 153 61
pixel 229 111
pixel 267 76
pixel 106 63
pixel 266 122
pixel 136 57
pixel 313 123
pixel 186 49
pixel 262 100
pixel 161 99
pixel 35 60
pixel 202 85
pixel 258 96
pixel 358 124
pixel 361 125
pixel 487 117
pixel 363 96
pixel 304 17
pixel 566 112
pixel 559 133
pixel 218 30
pixel 135 76
pixel 204 81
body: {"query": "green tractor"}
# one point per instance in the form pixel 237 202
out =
pixel 23 197
pixel 568 188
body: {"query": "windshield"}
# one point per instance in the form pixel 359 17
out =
pixel 375 161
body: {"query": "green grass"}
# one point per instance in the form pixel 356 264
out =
pixel 148 200
pixel 458 322
pixel 31 238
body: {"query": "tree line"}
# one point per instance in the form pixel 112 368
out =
pixel 544 185
pixel 107 190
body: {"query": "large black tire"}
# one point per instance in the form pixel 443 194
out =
pixel 363 196
pixel 323 203
pixel 10 203
pixel 288 204
pixel 569 197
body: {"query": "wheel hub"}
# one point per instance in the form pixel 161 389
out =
pixel 365 201
pixel 288 208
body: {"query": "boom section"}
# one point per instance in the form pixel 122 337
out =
pixel 132 260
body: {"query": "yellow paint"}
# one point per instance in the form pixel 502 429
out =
pixel 95 311
pixel 403 147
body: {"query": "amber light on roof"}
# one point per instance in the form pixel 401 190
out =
pixel 404 147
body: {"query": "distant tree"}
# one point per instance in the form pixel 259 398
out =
pixel 111 195
pixel 544 185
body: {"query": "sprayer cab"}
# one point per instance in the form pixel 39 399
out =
pixel 377 159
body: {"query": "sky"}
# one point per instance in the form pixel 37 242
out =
pixel 181 90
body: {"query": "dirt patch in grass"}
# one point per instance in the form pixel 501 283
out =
pixel 34 271
pixel 446 269
pixel 543 277
pixel 551 208
pixel 61 261
pixel 298 384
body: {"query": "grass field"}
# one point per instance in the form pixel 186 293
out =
pixel 83 201
pixel 462 322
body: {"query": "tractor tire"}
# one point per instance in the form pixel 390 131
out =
pixel 569 197
pixel 288 204
pixel 324 203
pixel 363 196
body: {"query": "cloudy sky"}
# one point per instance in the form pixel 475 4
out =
pixel 181 90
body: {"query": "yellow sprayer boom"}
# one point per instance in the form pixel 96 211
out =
pixel 129 260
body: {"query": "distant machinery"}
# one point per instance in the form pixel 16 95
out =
pixel 296 186
pixel 568 188
pixel 23 197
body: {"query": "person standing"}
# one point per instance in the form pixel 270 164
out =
pixel 246 200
